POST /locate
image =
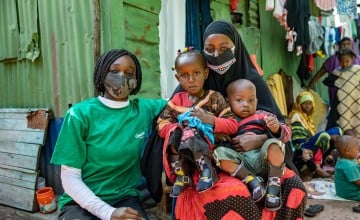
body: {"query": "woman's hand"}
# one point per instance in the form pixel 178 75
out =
pixel 203 116
pixel 126 213
pixel 248 141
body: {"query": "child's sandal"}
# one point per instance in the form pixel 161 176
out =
pixel 313 210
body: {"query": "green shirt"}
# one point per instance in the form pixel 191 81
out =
pixel 106 144
pixel 346 172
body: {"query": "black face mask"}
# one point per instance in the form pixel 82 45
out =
pixel 222 62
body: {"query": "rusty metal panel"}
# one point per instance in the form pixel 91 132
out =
pixel 29 34
pixel 63 72
pixel 142 37
pixel 134 26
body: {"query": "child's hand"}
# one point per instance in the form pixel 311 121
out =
pixel 272 123
pixel 203 116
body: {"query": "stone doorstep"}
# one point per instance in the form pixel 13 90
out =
pixel 17 214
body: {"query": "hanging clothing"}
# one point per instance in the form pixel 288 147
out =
pixel 325 5
pixel 276 86
pixel 298 14
pixel 347 7
pixel 288 90
pixel 316 35
pixel 197 19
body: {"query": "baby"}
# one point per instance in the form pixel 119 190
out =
pixel 266 161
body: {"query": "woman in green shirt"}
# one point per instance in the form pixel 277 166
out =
pixel 100 143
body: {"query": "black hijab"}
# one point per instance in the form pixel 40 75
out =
pixel 243 68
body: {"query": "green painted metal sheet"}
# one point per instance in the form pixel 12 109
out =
pixel 60 72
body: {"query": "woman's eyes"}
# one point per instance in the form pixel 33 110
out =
pixel 126 73
pixel 223 49
pixel 210 50
pixel 220 50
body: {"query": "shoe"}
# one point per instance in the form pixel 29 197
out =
pixel 205 181
pixel 356 209
pixel 179 185
pixel 313 210
pixel 256 187
pixel 273 194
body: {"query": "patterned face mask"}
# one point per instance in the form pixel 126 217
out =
pixel 222 62
pixel 118 85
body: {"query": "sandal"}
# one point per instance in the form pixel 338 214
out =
pixel 356 209
pixel 313 210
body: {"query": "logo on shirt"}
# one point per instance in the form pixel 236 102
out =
pixel 140 135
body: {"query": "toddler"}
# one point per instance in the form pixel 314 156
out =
pixel 268 160
pixel 347 169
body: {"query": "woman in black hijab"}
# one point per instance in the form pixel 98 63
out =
pixel 228 60
pixel 242 68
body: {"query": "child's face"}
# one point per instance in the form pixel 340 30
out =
pixel 346 44
pixel 346 61
pixel 191 74
pixel 121 79
pixel 352 148
pixel 242 101
pixel 307 107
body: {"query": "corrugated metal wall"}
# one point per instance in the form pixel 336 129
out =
pixel 63 33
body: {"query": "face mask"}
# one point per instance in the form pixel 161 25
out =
pixel 222 62
pixel 118 85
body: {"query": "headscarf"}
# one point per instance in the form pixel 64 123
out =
pixel 243 68
pixel 297 114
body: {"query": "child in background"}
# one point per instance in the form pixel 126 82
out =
pixel 347 169
pixel 310 146
pixel 188 123
pixel 345 111
pixel 268 160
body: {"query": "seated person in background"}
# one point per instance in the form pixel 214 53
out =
pixel 266 161
pixel 347 168
pixel 188 122
pixel 310 147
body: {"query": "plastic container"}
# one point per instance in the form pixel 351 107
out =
pixel 46 199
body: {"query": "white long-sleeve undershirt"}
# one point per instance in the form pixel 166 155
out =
pixel 75 187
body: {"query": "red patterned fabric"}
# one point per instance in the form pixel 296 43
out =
pixel 230 199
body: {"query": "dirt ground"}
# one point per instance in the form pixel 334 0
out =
pixel 334 210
